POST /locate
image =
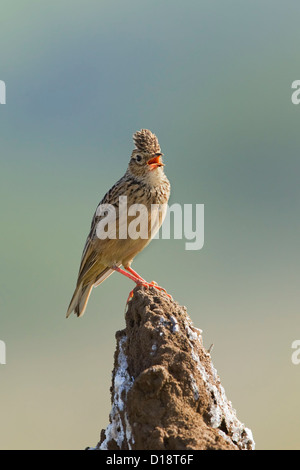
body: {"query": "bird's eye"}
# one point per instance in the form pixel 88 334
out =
pixel 138 158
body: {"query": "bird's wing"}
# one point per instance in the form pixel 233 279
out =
pixel 156 218
pixel 92 248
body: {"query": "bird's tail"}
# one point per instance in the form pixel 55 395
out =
pixel 83 289
pixel 80 299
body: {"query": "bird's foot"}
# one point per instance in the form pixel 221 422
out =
pixel 138 283
pixel 129 297
pixel 162 289
pixel 147 285
pixel 131 274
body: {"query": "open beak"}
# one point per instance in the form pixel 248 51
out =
pixel 155 161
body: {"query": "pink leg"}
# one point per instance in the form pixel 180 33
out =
pixel 149 284
pixel 130 270
pixel 134 276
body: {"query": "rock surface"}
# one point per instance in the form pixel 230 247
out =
pixel 166 394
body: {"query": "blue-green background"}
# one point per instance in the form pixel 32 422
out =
pixel 213 80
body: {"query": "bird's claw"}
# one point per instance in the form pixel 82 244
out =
pixel 129 297
pixel 162 289
pixel 147 285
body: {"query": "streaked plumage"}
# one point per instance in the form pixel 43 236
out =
pixel 143 183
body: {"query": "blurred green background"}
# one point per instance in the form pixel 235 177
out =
pixel 213 80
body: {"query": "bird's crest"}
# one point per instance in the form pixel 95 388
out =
pixel 146 141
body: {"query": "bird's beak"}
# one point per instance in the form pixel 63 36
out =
pixel 155 161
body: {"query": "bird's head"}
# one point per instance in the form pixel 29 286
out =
pixel 146 158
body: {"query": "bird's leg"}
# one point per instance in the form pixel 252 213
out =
pixel 134 273
pixel 130 270
pixel 145 283
pixel 133 276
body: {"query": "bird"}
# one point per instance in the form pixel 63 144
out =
pixel 144 184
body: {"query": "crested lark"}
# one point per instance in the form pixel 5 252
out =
pixel 143 183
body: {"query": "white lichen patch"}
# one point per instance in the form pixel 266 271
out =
pixel 153 349
pixel 129 435
pixel 198 329
pixel 175 326
pixel 116 430
pixel 221 412
pixel 194 387
pixel 171 324
pixel 194 334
